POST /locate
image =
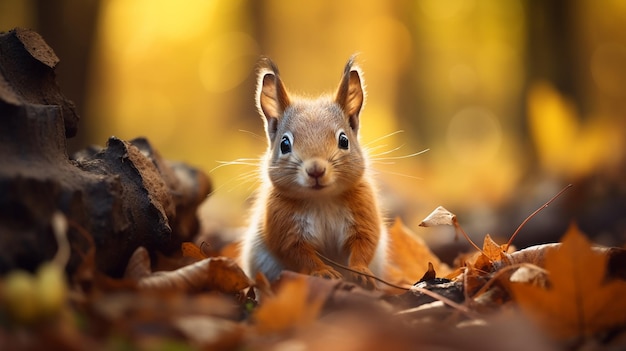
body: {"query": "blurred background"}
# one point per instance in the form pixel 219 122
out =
pixel 513 99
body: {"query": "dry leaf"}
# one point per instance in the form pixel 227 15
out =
pixel 289 309
pixel 534 255
pixel 337 293
pixel 492 253
pixel 430 273
pixel 580 302
pixel 192 250
pixel 440 216
pixel 215 273
pixel 138 265
pixel 232 250
pixel 409 256
pixel 530 274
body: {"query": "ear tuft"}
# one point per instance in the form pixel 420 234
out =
pixel 350 94
pixel 272 97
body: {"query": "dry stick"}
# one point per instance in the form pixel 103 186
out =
pixel 534 213
pixel 457 227
pixel 434 295
pixel 360 273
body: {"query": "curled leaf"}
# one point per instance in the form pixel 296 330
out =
pixel 215 273
pixel 138 265
pixel 192 250
pixel 440 216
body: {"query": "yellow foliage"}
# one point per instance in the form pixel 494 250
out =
pixel 565 146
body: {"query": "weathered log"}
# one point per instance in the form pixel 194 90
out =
pixel 122 196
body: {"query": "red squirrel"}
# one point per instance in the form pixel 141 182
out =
pixel 316 193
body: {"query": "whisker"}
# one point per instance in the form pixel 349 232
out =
pixel 384 137
pixel 399 174
pixel 255 135
pixel 370 149
pixel 386 152
pixel 239 161
pixel 376 158
pixel 382 162
pixel 251 177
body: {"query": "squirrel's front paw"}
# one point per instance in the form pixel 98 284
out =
pixel 327 272
pixel 364 280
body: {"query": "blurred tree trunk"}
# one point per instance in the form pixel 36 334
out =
pixel 69 26
pixel 551 46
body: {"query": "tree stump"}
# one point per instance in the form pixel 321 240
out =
pixel 115 198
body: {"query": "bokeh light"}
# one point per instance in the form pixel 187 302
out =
pixel 507 95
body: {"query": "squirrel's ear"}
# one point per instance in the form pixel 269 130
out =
pixel 272 98
pixel 350 94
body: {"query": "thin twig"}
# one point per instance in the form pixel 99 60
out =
pixel 361 273
pixel 457 227
pixel 534 213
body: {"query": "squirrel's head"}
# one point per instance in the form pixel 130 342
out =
pixel 313 143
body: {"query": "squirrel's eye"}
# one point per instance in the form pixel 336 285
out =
pixel 343 141
pixel 285 145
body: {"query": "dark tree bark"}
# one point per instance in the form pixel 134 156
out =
pixel 118 197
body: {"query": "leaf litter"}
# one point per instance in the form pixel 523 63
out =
pixel 567 295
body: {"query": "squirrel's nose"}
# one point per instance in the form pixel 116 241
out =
pixel 315 170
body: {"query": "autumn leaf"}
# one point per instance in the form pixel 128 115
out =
pixel 290 308
pixel 219 273
pixel 138 264
pixel 192 250
pixel 439 216
pixel 232 250
pixel 579 302
pixel 409 256
pixel 492 252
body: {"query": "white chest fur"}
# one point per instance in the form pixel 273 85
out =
pixel 326 224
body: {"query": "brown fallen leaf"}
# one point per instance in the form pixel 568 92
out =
pixel 409 256
pixel 492 252
pixel 337 293
pixel 192 250
pixel 534 254
pixel 138 265
pixel 580 302
pixel 215 273
pixel 231 250
pixel 289 309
